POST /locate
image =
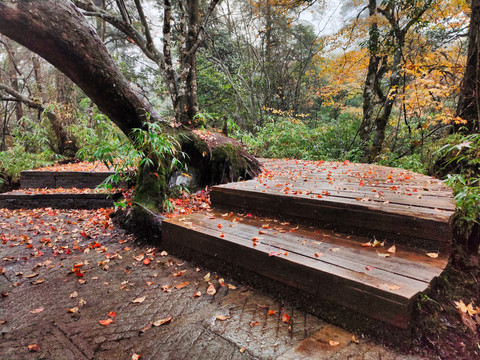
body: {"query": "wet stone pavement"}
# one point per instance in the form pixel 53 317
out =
pixel 73 286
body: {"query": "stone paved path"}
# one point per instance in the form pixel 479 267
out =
pixel 39 284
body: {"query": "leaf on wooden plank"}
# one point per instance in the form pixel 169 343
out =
pixel 367 244
pixel 432 255
pixel 73 310
pixel 333 343
pixel 139 300
pixel 221 317
pixel 163 321
pixel 37 311
pixel 179 273
pixel 74 294
pixel 273 253
pixel 207 277
pixel 286 319
pixel 382 255
pixel 211 290
pixel 182 285
pixel 105 322
pixel 392 249
pixel 377 243
pixel 231 287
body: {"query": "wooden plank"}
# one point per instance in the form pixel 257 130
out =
pixel 65 179
pixel 332 283
pixel 57 200
pixel 433 227
pixel 441 215
pixel 375 194
pixel 405 263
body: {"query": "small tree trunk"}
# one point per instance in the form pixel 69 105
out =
pixel 381 121
pixel 13 75
pixel 369 88
pixel 191 60
pixel 469 103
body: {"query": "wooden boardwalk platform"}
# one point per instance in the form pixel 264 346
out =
pixel 372 200
pixel 309 224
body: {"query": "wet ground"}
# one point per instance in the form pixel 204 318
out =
pixel 73 286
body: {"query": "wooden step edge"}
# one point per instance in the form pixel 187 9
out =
pixel 412 263
pixel 427 234
pixel 59 196
pixel 66 173
pixel 58 201
pixel 392 310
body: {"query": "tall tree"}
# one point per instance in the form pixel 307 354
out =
pixel 469 103
pixel 400 17
pixel 183 33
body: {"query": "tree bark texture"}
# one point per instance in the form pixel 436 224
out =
pixel 369 87
pixel 58 32
pixel 469 103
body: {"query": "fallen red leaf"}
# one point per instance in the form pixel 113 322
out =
pixel 34 347
pixel 112 314
pixel 286 319
pixel 106 322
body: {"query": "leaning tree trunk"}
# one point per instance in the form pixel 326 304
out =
pixel 58 32
pixel 469 103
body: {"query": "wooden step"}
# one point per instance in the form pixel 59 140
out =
pixel 373 200
pixel 333 266
pixel 65 179
pixel 58 200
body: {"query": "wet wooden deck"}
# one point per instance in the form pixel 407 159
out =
pixel 386 202
pixel 309 224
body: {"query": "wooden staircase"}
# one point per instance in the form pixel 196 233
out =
pixel 313 226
